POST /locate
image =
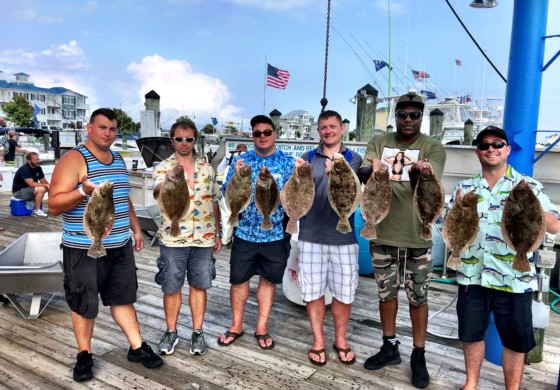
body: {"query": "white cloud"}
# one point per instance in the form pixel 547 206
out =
pixel 182 90
pixel 64 50
pixel 17 56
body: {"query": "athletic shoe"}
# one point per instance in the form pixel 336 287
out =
pixel 389 354
pixel 168 342
pixel 145 355
pixel 39 213
pixel 198 347
pixel 82 369
pixel 420 375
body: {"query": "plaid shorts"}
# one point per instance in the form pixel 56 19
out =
pixel 335 264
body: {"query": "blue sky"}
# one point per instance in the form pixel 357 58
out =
pixel 207 57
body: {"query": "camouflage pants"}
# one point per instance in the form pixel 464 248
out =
pixel 389 265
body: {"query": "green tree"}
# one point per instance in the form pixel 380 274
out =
pixel 208 129
pixel 352 136
pixel 19 111
pixel 186 118
pixel 125 124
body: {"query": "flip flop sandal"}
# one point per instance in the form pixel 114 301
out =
pixel 318 352
pixel 345 351
pixel 229 334
pixel 264 337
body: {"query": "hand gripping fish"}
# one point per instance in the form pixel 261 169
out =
pixel 429 199
pixel 99 216
pixel 174 198
pixel 376 201
pixel 267 196
pixel 238 193
pixel 297 195
pixel 344 192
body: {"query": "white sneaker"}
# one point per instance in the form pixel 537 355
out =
pixel 39 213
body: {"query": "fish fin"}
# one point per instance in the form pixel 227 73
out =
pixel 426 232
pixel 266 224
pixel 233 220
pixel 521 263
pixel 97 250
pixel 369 232
pixel 343 226
pixel 175 230
pixel 291 227
pixel 454 262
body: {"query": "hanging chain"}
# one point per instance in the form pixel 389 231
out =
pixel 324 100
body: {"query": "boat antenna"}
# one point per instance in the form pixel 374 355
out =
pixel 324 100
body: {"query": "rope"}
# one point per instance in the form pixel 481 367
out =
pixel 324 100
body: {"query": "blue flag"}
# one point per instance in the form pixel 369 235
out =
pixel 36 110
pixel 214 121
pixel 379 64
pixel 429 95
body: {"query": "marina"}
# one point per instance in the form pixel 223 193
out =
pixel 40 353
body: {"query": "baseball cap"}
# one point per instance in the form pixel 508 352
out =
pixel 262 119
pixel 491 130
pixel 410 99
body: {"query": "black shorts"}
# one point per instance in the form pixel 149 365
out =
pixel 512 315
pixel 112 276
pixel 266 259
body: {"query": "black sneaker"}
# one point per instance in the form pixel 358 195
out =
pixel 388 355
pixel 82 369
pixel 145 355
pixel 420 376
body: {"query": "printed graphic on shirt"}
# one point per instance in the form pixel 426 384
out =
pixel 399 162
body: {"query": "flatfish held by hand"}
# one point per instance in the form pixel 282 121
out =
pixel 460 226
pixel 99 216
pixel 174 198
pixel 376 201
pixel 429 199
pixel 297 195
pixel 267 196
pixel 523 224
pixel 344 192
pixel 238 193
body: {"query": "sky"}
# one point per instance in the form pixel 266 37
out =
pixel 207 58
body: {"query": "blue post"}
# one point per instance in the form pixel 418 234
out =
pixel 523 91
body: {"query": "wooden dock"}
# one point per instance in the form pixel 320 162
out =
pixel 40 354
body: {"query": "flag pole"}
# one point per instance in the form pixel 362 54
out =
pixel 264 88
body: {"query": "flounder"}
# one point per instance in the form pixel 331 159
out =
pixel 174 198
pixel 238 193
pixel 99 217
pixel 429 199
pixel 267 196
pixel 297 195
pixel 523 224
pixel 376 201
pixel 460 226
pixel 344 192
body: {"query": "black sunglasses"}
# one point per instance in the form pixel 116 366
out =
pixel 181 139
pixel 415 115
pixel 495 145
pixel 267 133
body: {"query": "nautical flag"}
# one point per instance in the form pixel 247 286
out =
pixel 379 64
pixel 420 75
pixel 36 110
pixel 429 95
pixel 465 99
pixel 458 62
pixel 214 121
pixel 276 78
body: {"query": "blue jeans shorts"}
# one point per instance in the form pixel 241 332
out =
pixel 175 262
pixel 512 315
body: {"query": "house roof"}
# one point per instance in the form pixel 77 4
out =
pixel 293 113
pixel 31 87
pixel 151 95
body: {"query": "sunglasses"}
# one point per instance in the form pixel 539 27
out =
pixel 267 133
pixel 186 139
pixel 495 145
pixel 415 115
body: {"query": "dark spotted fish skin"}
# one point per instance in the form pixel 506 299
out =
pixel 297 195
pixel 523 224
pixel 238 193
pixel 99 216
pixel 376 201
pixel 429 199
pixel 461 226
pixel 344 192
pixel 174 198
pixel 267 197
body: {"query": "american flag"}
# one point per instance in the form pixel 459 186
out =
pixel 420 75
pixel 276 78
pixel 458 62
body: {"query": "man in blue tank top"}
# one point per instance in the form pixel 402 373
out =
pixel 112 276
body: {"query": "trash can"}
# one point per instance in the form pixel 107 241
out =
pixel 364 256
pixel 492 344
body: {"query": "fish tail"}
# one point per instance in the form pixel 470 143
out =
pixel 369 232
pixel 426 232
pixel 97 250
pixel 233 220
pixel 175 230
pixel 291 227
pixel 266 224
pixel 343 226
pixel 521 263
pixel 454 262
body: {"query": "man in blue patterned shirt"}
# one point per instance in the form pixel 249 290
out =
pixel 488 282
pixel 256 251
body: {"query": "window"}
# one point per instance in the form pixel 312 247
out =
pixel 41 98
pixel 68 100
pixel 33 96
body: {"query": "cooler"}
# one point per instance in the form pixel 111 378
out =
pixel 20 207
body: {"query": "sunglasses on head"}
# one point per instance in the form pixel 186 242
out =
pixel 186 139
pixel 495 145
pixel 267 133
pixel 415 115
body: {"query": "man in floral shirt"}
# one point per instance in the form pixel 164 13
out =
pixel 191 251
